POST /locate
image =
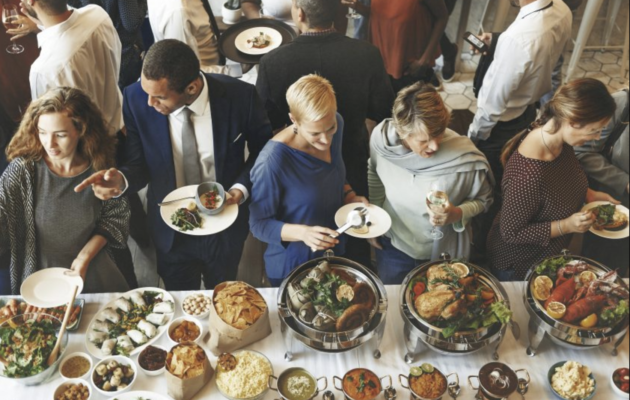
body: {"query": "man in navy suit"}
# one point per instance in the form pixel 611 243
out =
pixel 185 127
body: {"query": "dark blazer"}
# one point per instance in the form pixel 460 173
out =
pixel 238 117
pixel 355 69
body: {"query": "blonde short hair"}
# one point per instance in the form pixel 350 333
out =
pixel 311 99
pixel 419 108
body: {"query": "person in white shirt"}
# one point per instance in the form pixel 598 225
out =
pixel 525 57
pixel 79 49
pixel 188 22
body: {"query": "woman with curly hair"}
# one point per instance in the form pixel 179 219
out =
pixel 61 140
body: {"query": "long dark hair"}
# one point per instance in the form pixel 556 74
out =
pixel 580 102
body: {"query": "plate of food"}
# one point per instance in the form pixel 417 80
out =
pixel 11 307
pixel 50 287
pixel 185 217
pixel 456 299
pixel 128 324
pixel 579 294
pixel 259 40
pixel 612 220
pixel 571 380
pixel 379 221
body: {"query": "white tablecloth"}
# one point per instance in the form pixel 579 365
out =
pixel 392 361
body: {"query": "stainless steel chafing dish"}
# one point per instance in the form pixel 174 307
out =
pixel 420 333
pixel 562 333
pixel 293 329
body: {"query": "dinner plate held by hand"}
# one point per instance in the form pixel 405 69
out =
pixel 243 37
pixel 212 224
pixel 380 221
pixel 140 394
pixel 50 287
pixel 622 234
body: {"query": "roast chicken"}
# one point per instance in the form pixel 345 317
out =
pixel 437 277
pixel 446 304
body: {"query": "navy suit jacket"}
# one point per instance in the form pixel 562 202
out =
pixel 238 117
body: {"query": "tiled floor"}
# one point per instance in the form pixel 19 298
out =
pixel 605 66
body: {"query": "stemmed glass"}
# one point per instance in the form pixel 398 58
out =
pixel 437 201
pixel 353 14
pixel 10 18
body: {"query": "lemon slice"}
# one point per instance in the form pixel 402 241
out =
pixel 427 368
pixel 345 292
pixel 556 310
pixel 589 322
pixel 416 371
pixel 542 287
pixel 461 269
pixel 587 277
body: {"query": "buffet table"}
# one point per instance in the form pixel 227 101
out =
pixel 391 363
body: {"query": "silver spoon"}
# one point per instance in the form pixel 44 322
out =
pixel 356 220
pixel 454 391
pixel 390 393
pixel 174 201
pixel 523 387
pixel 328 395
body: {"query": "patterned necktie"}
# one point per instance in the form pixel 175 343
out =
pixel 192 166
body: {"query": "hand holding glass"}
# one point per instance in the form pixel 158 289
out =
pixel 10 19
pixel 437 201
pixel 352 13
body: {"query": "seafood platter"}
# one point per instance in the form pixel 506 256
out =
pixel 579 303
pixel 332 305
pixel 454 308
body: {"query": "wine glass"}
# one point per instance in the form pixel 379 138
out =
pixel 352 14
pixel 10 19
pixel 437 201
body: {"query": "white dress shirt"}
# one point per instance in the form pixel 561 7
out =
pixel 525 58
pixel 186 21
pixel 202 123
pixel 83 52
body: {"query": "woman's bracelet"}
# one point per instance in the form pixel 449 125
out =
pixel 560 228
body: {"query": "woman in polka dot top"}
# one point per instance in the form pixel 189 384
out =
pixel 544 187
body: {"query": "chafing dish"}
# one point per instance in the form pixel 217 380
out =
pixel 420 333
pixel 562 333
pixel 293 329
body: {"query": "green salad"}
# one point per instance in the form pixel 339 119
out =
pixel 27 347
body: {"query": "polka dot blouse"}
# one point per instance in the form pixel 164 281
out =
pixel 536 193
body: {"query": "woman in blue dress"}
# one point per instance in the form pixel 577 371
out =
pixel 299 182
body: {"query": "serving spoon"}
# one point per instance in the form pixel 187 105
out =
pixel 357 219
pixel 55 352
pixel 175 201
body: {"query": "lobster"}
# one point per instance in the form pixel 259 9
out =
pixel 585 307
pixel 563 293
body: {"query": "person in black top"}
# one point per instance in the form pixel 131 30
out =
pixel 127 16
pixel 356 70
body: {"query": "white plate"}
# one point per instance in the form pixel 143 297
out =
pixel 241 40
pixel 50 287
pixel 96 351
pixel 212 224
pixel 609 234
pixel 380 219
pixel 142 395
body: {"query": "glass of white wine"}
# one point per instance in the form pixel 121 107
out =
pixel 437 201
pixel 10 19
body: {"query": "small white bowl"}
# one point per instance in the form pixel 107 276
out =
pixel 616 389
pixel 120 360
pixel 200 316
pixel 156 372
pixel 62 388
pixel 85 376
pixel 177 322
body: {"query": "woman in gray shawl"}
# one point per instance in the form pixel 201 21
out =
pixel 408 154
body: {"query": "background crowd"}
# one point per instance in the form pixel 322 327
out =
pixel 332 120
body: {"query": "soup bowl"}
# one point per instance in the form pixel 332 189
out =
pixel 309 392
pixel 364 379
